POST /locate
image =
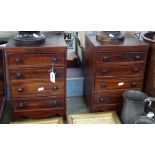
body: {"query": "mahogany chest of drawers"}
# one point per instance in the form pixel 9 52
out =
pixel 110 69
pixel 28 68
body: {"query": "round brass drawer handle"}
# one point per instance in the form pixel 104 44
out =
pixel 55 88
pixel 18 61
pixel 19 75
pixel 136 70
pixel 20 90
pixel 105 58
pixel 104 85
pixel 21 105
pixel 55 104
pixel 102 100
pixel 104 71
pixel 133 84
pixel 54 60
pixel 137 57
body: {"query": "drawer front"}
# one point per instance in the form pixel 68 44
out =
pixel 101 99
pixel 136 69
pixel 35 73
pixel 24 88
pixel 36 60
pixel 118 84
pixel 38 103
pixel 119 57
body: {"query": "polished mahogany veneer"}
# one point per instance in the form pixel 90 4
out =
pixel 28 69
pixel 110 69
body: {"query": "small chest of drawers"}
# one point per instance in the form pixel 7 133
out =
pixel 110 69
pixel 28 69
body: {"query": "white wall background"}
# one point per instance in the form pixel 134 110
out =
pixel 7 34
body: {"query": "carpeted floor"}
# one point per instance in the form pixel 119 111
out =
pixel 76 105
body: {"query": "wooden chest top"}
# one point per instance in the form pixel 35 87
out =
pixel 55 42
pixel 129 43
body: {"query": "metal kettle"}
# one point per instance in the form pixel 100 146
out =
pixel 134 104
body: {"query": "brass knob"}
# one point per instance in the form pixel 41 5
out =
pixel 20 90
pixel 18 61
pixel 133 84
pixel 105 58
pixel 104 71
pixel 55 103
pixel 19 75
pixel 55 88
pixel 54 60
pixel 103 85
pixel 21 105
pixel 102 100
pixel 136 70
pixel 137 57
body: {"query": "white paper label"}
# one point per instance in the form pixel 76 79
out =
pixel 52 77
pixel 120 83
pixel 40 88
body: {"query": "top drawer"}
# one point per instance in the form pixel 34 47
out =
pixel 36 60
pixel 119 57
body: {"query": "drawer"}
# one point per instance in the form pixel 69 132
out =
pixel 36 60
pixel 106 57
pixel 101 99
pixel 118 84
pixel 38 103
pixel 27 88
pixel 36 73
pixel 136 69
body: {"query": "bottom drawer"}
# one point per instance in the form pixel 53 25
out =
pixel 101 99
pixel 107 102
pixel 31 104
